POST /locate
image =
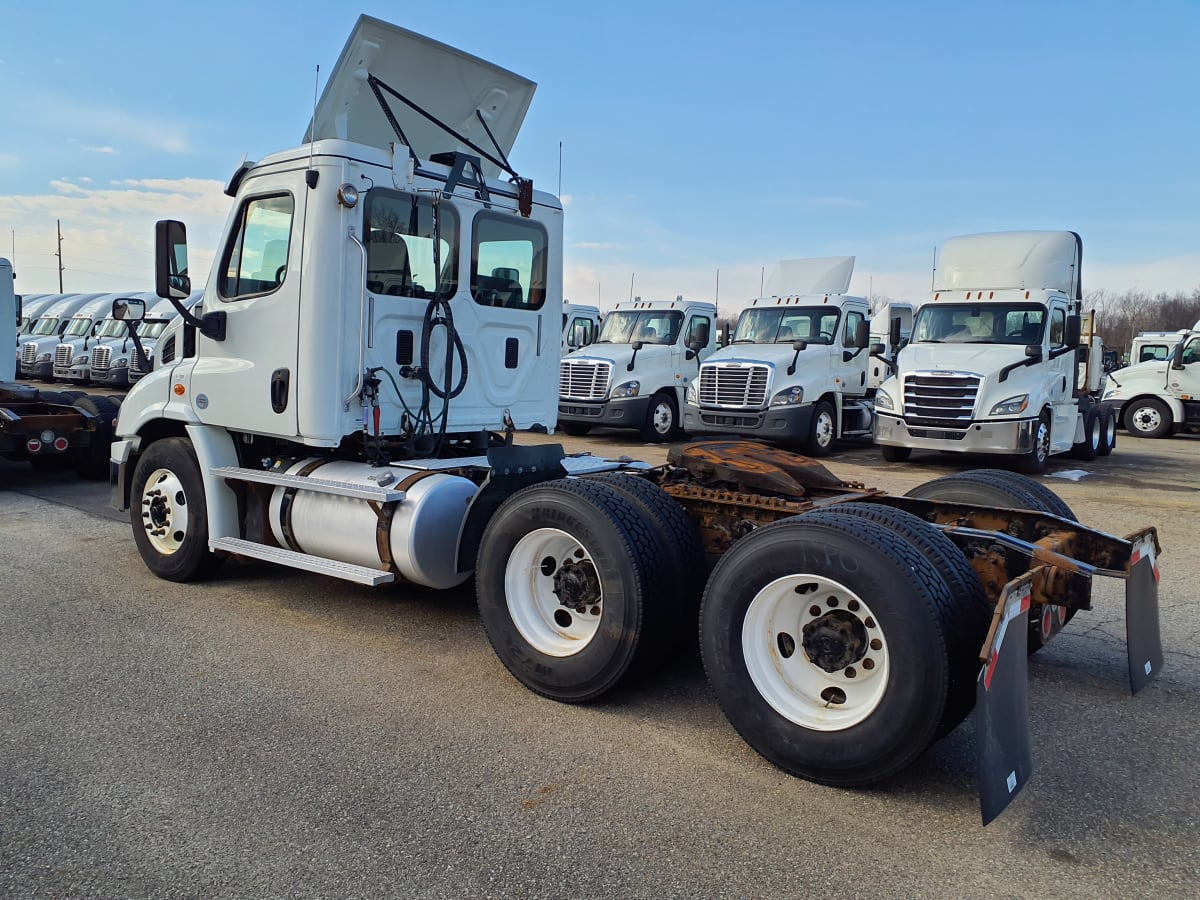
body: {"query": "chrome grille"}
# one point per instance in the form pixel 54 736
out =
pixel 62 356
pixel 941 398
pixel 583 379
pixel 100 357
pixel 29 353
pixel 734 385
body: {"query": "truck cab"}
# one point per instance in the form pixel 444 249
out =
pixel 635 374
pixel 796 369
pixel 115 353
pixel 37 350
pixel 1159 396
pixel 994 364
pixel 90 324
pixel 581 325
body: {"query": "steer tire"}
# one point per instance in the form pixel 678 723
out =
pixel 998 487
pixel 968 627
pixel 91 461
pixel 895 454
pixel 662 419
pixel 686 567
pixel 168 490
pixel 822 429
pixel 1148 417
pixel 1034 462
pixel 562 653
pixel 575 429
pixel 786 706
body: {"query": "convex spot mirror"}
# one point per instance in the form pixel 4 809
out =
pixel 127 309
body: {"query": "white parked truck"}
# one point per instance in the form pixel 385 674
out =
pixel 165 329
pixel 372 438
pixel 581 325
pixel 1160 396
pixel 636 373
pixel 995 364
pixel 116 351
pixel 37 349
pixel 91 323
pixel 797 369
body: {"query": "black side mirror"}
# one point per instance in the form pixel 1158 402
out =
pixel 637 345
pixel 894 331
pixel 862 335
pixel 127 309
pixel 878 349
pixel 171 279
pixel 1074 328
pixel 1177 356
pixel 799 346
pixel 1034 352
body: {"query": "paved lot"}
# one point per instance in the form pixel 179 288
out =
pixel 271 733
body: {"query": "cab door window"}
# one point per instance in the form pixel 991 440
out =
pixel 1058 327
pixel 699 328
pixel 851 329
pixel 508 262
pixel 255 261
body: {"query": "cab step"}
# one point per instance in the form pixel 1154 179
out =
pixel 292 559
pixel 305 483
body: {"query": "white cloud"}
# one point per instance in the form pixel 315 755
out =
pixel 105 149
pixel 110 122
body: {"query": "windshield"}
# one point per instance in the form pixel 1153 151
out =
pixel 150 329
pixel 786 324
pixel 650 326
pixel 962 323
pixel 45 326
pixel 112 328
pixel 78 327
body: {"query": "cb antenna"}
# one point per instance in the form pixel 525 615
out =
pixel 310 177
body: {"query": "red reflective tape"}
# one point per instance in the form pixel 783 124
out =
pixel 990 670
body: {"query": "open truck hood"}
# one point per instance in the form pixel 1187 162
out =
pixel 447 83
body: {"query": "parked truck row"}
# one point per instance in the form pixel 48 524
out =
pixel 412 295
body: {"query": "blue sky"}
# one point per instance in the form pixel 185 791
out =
pixel 696 136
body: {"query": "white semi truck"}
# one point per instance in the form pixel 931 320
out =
pixel 797 370
pixel 91 324
pixel 636 373
pixel 581 325
pixel 1161 395
pixel 372 439
pixel 996 364
pixel 37 350
pixel 161 328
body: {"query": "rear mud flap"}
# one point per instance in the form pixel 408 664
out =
pixel 1004 755
pixel 1142 635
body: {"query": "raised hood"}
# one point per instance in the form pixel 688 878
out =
pixel 820 275
pixel 1026 260
pixel 447 83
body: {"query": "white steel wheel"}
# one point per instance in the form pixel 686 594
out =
pixel 815 652
pixel 822 430
pixel 164 511
pixel 553 591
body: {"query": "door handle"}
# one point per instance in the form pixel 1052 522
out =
pixel 280 382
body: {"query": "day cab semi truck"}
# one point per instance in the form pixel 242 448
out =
pixel 413 299
pixel 797 370
pixel 998 362
pixel 1161 395
pixel 48 429
pixel 581 325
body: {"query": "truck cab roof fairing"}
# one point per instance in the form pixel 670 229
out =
pixel 446 82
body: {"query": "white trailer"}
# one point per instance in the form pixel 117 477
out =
pixel 10 311
pixel 1161 395
pixel 995 364
pixel 636 373
pixel 372 438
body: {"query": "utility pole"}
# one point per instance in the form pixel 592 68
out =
pixel 58 223
pixel 631 275
pixel 717 294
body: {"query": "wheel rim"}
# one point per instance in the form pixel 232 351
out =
pixel 164 511
pixel 662 418
pixel 797 618
pixel 824 429
pixel 1042 447
pixel 1110 431
pixel 1146 418
pixel 1095 436
pixel 553 592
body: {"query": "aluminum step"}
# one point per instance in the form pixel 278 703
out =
pixel 304 483
pixel 318 564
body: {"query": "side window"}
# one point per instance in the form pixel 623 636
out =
pixel 1191 353
pixel 255 261
pixel 1058 327
pixel 1156 352
pixel 508 262
pixel 699 329
pixel 400 240
pixel 852 320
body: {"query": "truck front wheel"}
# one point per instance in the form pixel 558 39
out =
pixel 824 641
pixel 662 419
pixel 169 513
pixel 1034 462
pixel 1148 417
pixel 822 430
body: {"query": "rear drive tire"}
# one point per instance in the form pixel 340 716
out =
pixel 91 462
pixel 1108 442
pixel 169 513
pixel 869 607
pixel 1093 435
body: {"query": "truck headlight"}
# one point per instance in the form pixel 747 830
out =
pixel 1011 406
pixel 883 400
pixel 692 395
pixel 119 363
pixel 626 389
pixel 79 361
pixel 789 396
pixel 45 357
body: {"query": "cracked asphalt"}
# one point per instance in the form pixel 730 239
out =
pixel 277 734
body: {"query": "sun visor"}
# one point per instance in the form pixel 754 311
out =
pixel 823 275
pixel 447 83
pixel 1030 260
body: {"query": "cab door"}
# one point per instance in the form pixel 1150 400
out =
pixel 247 382
pixel 1184 384
pixel 1060 381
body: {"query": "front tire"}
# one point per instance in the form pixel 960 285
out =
pixel 169 513
pixel 1034 462
pixel 822 429
pixel 863 603
pixel 575 429
pixel 662 419
pixel 1148 417
pixel 895 454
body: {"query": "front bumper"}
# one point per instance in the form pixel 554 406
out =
pixel 1011 436
pixel 41 370
pixel 777 423
pixel 627 413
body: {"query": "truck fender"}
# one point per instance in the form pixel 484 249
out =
pixel 1178 414
pixel 214 447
